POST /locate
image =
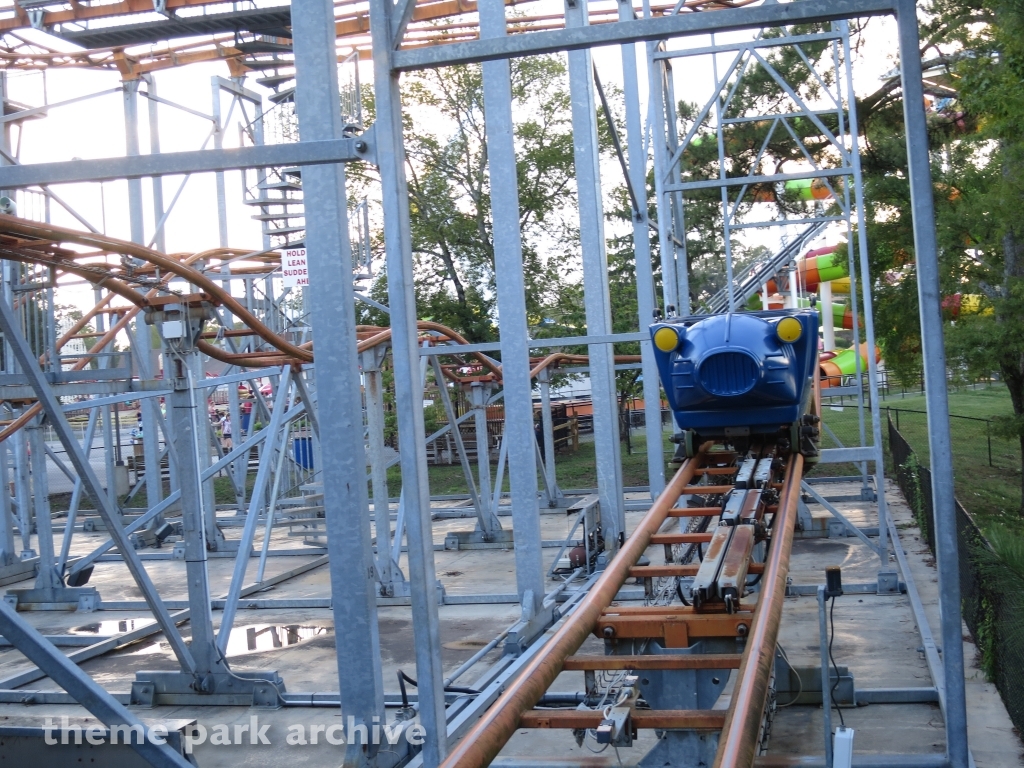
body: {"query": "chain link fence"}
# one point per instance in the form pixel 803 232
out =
pixel 990 588
pixel 986 465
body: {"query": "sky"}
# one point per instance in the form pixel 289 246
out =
pixel 94 128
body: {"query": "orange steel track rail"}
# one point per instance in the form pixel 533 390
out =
pixel 739 726
pixel 59 247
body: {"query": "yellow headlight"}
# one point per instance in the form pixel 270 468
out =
pixel 789 329
pixel 666 339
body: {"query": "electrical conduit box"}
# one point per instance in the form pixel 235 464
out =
pixel 842 748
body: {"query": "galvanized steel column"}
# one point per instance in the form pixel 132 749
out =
pixel 515 351
pixel 218 143
pixel 373 387
pixel 332 304
pixel 645 295
pixel 47 576
pixel 159 238
pixel 656 70
pixel 939 446
pixel 595 283
pixel 869 315
pixel 143 339
pixel 23 491
pixel 408 382
pixel 478 394
pixel 8 544
pixel 548 429
pixel 185 441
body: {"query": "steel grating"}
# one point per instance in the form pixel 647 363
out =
pixel 269 21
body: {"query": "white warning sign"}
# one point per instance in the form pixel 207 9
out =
pixel 293 267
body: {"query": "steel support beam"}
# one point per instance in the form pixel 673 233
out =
pixel 939 442
pixel 479 395
pixel 677 25
pixel 86 691
pixel 667 249
pixel 107 512
pixel 548 435
pixel 596 299
pixel 408 381
pixel 159 237
pixel 47 577
pixel 8 544
pixel 353 577
pixel 76 494
pixel 142 340
pixel 519 435
pixel 647 300
pixel 179 163
pixel 869 316
pixel 218 146
pixel 187 436
pixel 23 492
pixel 374 393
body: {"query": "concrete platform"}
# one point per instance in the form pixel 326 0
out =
pixel 875 637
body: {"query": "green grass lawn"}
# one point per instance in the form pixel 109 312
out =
pixel 573 470
pixel 986 468
pixel 989 487
pixel 223 490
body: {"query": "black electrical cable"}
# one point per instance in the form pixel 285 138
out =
pixel 401 687
pixel 448 688
pixel 700 553
pixel 832 637
pixel 679 591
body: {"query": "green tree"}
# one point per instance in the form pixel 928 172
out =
pixel 449 192
pixel 973 52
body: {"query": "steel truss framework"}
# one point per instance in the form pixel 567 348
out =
pixel 260 337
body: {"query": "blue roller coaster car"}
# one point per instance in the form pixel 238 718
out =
pixel 741 375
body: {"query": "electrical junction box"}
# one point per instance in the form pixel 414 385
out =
pixel 842 748
pixel 173 329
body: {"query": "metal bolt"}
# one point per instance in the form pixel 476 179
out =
pixel 741 630
pixel 361 146
pixel 609 632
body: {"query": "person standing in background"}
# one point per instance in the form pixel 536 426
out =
pixel 225 432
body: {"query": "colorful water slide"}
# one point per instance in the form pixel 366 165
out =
pixel 842 315
pixel 818 266
pixel 843 364
pixel 965 304
pixel 798 189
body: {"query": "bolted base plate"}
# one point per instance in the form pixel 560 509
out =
pixel 84 599
pixel 456 540
pixel 888 583
pixel 257 689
